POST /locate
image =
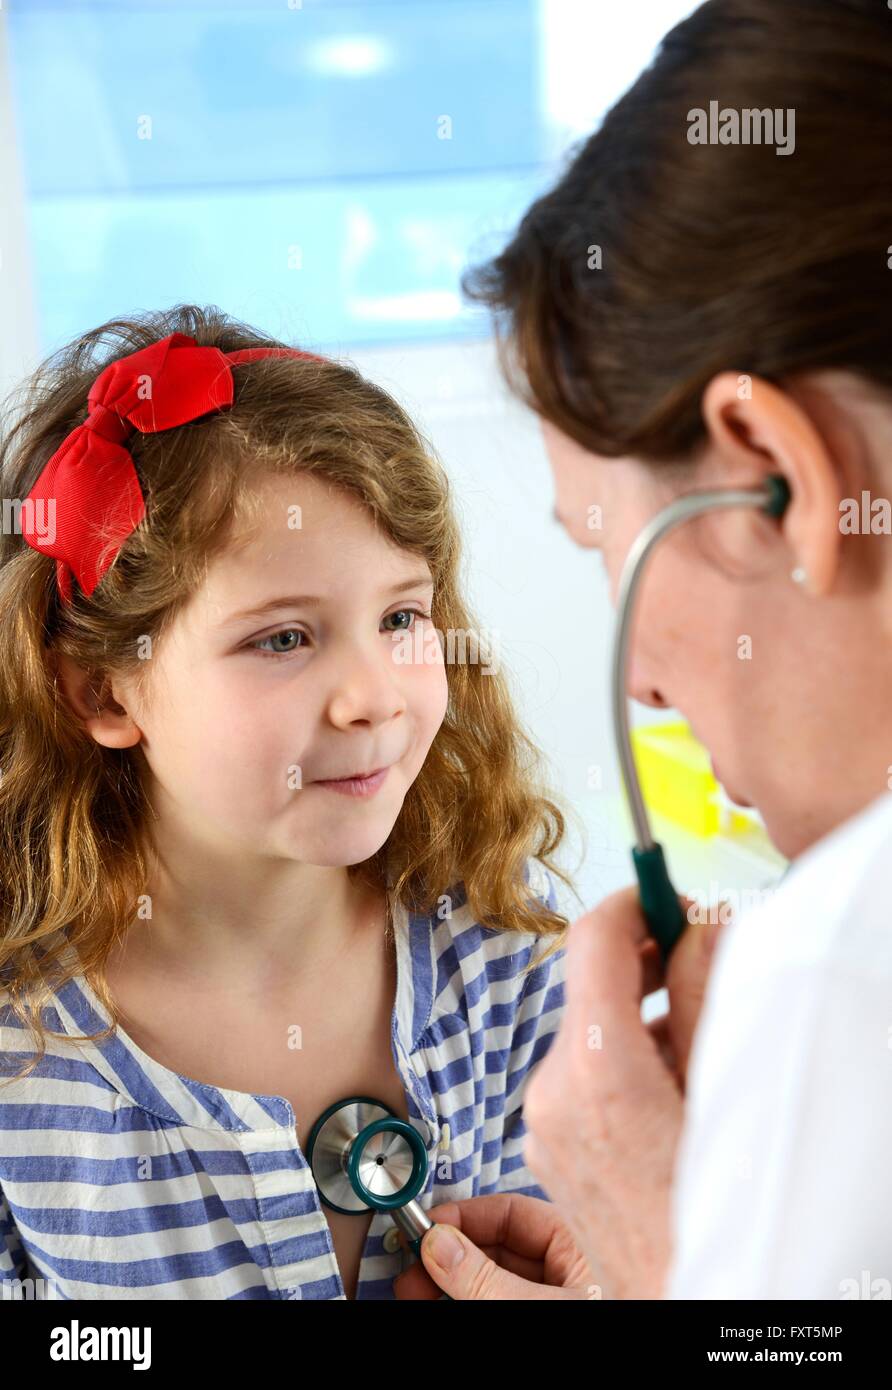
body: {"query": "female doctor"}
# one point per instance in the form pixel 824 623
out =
pixel 685 315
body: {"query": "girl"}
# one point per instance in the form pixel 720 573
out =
pixel 252 810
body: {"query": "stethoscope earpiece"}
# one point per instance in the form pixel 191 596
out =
pixel 779 494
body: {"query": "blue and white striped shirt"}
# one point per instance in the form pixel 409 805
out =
pixel 122 1179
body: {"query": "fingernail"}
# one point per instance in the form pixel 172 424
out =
pixel 445 1246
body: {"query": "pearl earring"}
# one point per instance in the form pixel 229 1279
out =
pixel 799 575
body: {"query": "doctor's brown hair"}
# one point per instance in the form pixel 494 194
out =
pixel 75 843
pixel 714 257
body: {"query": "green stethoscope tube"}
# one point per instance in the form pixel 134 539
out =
pixel 659 900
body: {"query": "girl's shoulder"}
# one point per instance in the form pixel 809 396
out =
pixel 472 965
pixel 46 1080
pixel 453 915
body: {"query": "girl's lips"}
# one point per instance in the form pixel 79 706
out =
pixel 356 786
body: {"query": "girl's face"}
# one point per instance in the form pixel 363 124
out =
pixel 772 678
pixel 285 670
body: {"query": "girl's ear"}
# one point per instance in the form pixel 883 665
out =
pixel 93 704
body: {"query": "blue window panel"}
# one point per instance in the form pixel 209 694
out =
pixel 326 265
pixel 263 94
pixel 294 173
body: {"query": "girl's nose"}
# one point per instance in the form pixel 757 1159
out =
pixel 367 691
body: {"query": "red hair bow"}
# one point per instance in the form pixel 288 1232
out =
pixel 96 498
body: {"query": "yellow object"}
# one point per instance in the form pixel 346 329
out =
pixel 677 782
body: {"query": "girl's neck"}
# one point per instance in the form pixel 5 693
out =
pixel 292 924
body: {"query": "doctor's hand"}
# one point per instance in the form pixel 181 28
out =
pixel 605 1107
pixel 512 1247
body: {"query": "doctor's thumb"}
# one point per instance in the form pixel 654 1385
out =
pixel 463 1271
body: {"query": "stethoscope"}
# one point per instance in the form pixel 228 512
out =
pixel 659 900
pixel 361 1155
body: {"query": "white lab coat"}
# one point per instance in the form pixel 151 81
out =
pixel 784 1175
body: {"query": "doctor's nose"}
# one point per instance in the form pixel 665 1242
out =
pixel 644 691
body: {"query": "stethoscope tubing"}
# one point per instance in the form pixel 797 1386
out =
pixel 659 900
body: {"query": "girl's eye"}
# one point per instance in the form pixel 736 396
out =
pixel 289 632
pixel 405 613
pixel 273 637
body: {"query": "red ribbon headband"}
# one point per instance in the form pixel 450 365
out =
pixel 91 478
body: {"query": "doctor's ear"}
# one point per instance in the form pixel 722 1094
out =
pixel 91 701
pixel 755 429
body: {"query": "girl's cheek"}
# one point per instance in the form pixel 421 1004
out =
pixel 432 691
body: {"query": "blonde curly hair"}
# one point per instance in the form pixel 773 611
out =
pixel 75 843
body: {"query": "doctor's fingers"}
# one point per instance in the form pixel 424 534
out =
pixel 611 965
pixel 493 1274
pixel 659 1031
pixel 527 1226
pixel 525 1235
pixel 605 1078
pixel 467 1272
pixel 687 979
pixel 611 954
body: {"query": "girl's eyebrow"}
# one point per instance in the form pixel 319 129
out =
pixel 312 600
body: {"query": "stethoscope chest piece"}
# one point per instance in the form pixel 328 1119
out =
pixel 361 1155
